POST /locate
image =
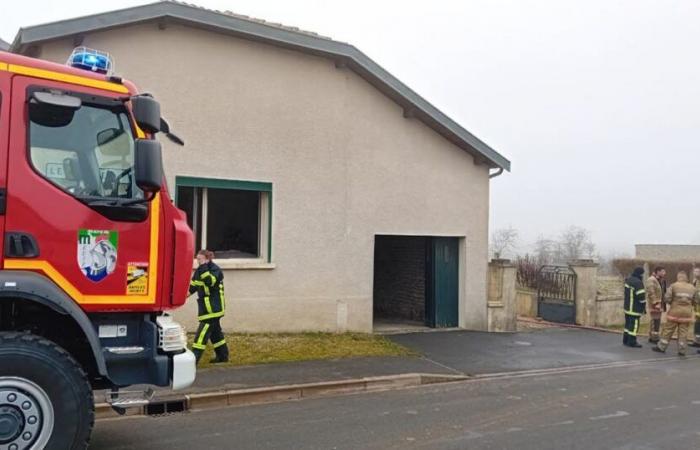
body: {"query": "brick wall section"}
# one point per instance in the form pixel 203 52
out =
pixel 399 278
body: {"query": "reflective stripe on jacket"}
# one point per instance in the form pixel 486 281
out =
pixel 682 296
pixel 208 282
pixel 635 297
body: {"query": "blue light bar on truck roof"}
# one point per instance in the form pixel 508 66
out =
pixel 92 60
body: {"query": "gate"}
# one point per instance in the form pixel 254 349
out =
pixel 556 294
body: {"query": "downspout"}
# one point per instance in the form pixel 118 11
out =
pixel 496 173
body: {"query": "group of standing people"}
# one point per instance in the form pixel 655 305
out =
pixel 680 302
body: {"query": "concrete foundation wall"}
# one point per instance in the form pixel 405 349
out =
pixel 526 302
pixel 502 312
pixel 344 162
pixel 609 311
pixel 660 252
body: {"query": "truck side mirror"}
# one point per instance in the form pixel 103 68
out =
pixel 148 165
pixel 146 113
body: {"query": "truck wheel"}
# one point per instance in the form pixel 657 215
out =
pixel 45 398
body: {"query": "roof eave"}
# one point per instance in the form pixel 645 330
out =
pixel 221 22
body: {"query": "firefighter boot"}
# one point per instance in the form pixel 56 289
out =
pixel 696 329
pixel 197 354
pixel 221 355
pixel 661 346
pixel 633 342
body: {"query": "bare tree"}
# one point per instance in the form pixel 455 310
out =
pixel 504 242
pixel 545 251
pixel 575 243
pixel 606 264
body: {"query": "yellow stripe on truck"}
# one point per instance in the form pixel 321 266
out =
pixel 86 299
pixel 64 77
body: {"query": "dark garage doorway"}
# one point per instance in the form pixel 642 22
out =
pixel 416 282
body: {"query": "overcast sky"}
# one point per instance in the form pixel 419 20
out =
pixel 595 102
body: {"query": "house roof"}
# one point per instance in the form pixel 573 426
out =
pixel 4 45
pixel 277 34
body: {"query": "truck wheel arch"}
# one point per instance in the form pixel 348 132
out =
pixel 31 286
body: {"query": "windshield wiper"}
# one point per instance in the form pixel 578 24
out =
pixel 136 201
pixel 113 202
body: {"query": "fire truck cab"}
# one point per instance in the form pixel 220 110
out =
pixel 94 251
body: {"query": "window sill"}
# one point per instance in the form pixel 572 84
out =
pixel 241 264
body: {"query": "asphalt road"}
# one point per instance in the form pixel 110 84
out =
pixel 643 406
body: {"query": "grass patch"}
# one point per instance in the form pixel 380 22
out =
pixel 248 349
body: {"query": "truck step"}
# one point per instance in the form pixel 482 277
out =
pixel 128 399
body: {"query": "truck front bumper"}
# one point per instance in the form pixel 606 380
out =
pixel 184 370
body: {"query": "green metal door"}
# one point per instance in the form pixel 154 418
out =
pixel 443 283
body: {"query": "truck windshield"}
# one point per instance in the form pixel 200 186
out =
pixel 88 152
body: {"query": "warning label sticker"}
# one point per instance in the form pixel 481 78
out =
pixel 137 278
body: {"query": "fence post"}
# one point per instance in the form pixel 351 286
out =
pixel 502 311
pixel 586 290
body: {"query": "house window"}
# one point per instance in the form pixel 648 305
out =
pixel 231 218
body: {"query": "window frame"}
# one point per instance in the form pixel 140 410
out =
pixel 265 248
pixel 137 212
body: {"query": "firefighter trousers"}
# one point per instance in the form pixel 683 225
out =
pixel 654 327
pixel 667 332
pixel 209 330
pixel 631 328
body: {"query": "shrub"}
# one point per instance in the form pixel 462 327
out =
pixel 527 272
pixel 625 266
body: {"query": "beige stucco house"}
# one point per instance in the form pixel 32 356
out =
pixel 334 196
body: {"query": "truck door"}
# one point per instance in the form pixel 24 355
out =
pixel 4 136
pixel 74 212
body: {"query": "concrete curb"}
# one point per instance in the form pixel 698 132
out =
pixel 582 327
pixel 273 394
pixel 572 369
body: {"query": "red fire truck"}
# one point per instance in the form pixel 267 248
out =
pixel 94 251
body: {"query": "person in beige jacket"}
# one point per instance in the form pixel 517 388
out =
pixel 681 296
pixel 696 328
pixel 655 298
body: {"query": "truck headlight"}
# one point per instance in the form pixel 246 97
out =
pixel 172 337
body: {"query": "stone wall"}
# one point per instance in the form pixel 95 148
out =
pixel 658 252
pixel 609 308
pixel 526 302
pixel 502 309
pixel 606 311
pixel 609 311
pixel 399 278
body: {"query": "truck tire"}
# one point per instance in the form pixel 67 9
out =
pixel 46 400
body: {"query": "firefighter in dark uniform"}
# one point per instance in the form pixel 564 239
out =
pixel 635 306
pixel 208 283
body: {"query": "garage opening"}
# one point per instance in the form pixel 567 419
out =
pixel 415 282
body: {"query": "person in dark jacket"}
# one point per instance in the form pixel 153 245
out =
pixel 635 306
pixel 208 283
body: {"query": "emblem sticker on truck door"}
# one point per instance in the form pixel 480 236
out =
pixel 137 278
pixel 97 253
